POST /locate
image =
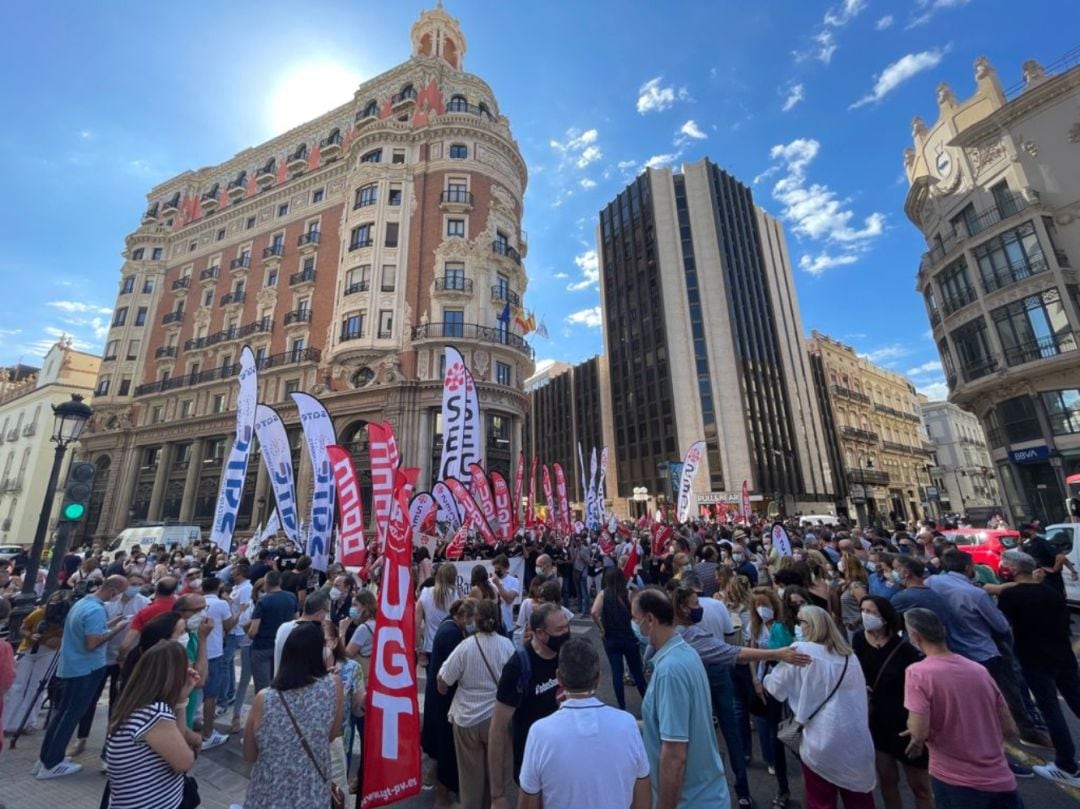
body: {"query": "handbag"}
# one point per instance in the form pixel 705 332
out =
pixel 337 797
pixel 790 730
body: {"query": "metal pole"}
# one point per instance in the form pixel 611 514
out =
pixel 60 549
pixel 30 577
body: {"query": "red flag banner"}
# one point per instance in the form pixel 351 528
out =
pixel 384 460
pixel 631 562
pixel 350 508
pixel 530 512
pixel 607 544
pixel 392 731
pixel 549 498
pixel 661 535
pixel 481 492
pixel 472 511
pixel 502 506
pixel 564 501
pixel 745 502
pixel 457 545
pixel 515 504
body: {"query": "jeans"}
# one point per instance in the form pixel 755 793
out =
pixel 75 693
pixel 230 644
pixel 822 794
pixel 1045 684
pixel 242 681
pixel 581 585
pixel 616 650
pixel 948 796
pixel 262 668
pixel 744 694
pixel 722 691
pixel 1007 681
pixel 775 713
pixel 112 674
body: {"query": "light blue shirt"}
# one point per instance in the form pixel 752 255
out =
pixel 678 708
pixel 975 619
pixel 87 617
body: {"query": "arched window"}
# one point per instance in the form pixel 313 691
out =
pixel 457 103
pixel 483 110
pixel 374 156
pixel 370 110
pixel 333 137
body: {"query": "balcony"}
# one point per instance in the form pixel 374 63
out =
pixel 209 200
pixel 1040 349
pixel 165 352
pixel 357 286
pixel 959 301
pixel 454 285
pixel 408 94
pixel 298 160
pixel 472 331
pixel 29 430
pixel 874 477
pixel 360 244
pixel 847 393
pixel 209 274
pixel 860 435
pixel 297 317
pixel 502 294
pixel 151 214
pixel 330 146
pixel 302 278
pixel 181 285
pixel 172 205
pixel 456 199
pixel 240 265
pixel 935 318
pixel 176 317
pixel 348 334
pixel 1007 207
pixel 462 107
pixel 1062 257
pixel 906 449
pixel 978 369
pixel 1011 275
pixel 266 177
pixel 232 298
pixel 501 248
pixel 237 189
pixel 272 255
pixel 307 242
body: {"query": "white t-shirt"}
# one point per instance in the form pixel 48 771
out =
pixel 127 608
pixel 716 620
pixel 279 641
pixel 433 616
pixel 513 585
pixel 219 610
pixel 560 756
pixel 241 594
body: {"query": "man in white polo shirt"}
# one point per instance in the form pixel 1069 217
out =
pixel 561 767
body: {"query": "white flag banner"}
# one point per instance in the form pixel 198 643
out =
pixel 274 443
pixel 448 507
pixel 234 474
pixel 460 419
pixel 584 483
pixel 691 464
pixel 318 434
pixel 591 518
pixel 601 497
pixel 780 539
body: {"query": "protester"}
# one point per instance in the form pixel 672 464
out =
pixel 7 661
pixel 910 573
pixel 39 645
pixel 358 629
pixel 432 607
pixel 437 734
pixel 611 614
pixel 956 711
pixel 885 656
pixel 474 666
pixel 240 603
pixel 508 587
pixel 316 609
pixel 684 760
pixel 291 724
pixel 828 700
pixel 274 608
pixel 148 749
pixel 559 759
pixel 354 693
pixel 163 601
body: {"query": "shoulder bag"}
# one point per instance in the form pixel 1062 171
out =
pixel 337 797
pixel 487 665
pixel 790 730
pixel 884 666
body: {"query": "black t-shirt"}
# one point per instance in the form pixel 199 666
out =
pixel 258 570
pixel 888 716
pixel 1040 623
pixel 1045 556
pixel 295 582
pixel 539 699
pixel 272 610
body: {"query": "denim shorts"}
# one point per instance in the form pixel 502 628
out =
pixel 217 678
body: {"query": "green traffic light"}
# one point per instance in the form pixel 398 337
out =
pixel 73 511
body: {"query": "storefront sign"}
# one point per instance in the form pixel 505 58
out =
pixel 1030 455
pixel 709 498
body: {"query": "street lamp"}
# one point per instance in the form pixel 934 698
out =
pixel 869 501
pixel 70 419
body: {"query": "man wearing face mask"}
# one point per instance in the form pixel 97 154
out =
pixel 528 691
pixel 508 587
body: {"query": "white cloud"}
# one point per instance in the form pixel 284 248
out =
pixel 626 164
pixel 543 365
pixel 885 353
pixel 654 98
pixel 824 46
pixel 589 264
pixel 579 147
pixel 928 8
pixel 794 96
pixel 85 134
pixel 590 318
pixel 824 41
pixel 588 155
pixel 904 68
pixel 816 265
pixel 692 130
pixel 935 391
pixel 658 161
pixel 884 22
pixel 79 307
pixel 848 11
pixel 561 276
pixel 931 367
pixel 586 183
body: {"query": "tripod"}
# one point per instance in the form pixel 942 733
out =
pixel 42 685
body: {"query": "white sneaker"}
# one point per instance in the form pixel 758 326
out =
pixel 38 766
pixel 1052 772
pixel 215 739
pixel 59 771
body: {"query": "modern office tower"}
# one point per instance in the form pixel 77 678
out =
pixel 994 189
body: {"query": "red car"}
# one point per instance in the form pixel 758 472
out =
pixel 984 545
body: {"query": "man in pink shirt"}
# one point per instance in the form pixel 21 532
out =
pixel 956 710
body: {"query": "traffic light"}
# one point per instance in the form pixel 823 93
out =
pixel 77 491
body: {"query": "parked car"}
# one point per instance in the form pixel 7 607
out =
pixel 984 545
pixel 1065 537
pixel 146 535
pixel 9 552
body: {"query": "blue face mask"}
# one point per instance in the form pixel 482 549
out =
pixel 799 632
pixel 470 629
pixel 354 612
pixel 696 614
pixel 638 633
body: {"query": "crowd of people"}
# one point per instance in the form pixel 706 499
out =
pixel 859 661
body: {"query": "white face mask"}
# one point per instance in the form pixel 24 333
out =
pixel 765 613
pixel 335 593
pixel 799 632
pixel 194 622
pixel 872 622
pixel 182 640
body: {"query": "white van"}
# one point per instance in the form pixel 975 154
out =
pixel 1071 533
pixel 146 535
pixel 815 519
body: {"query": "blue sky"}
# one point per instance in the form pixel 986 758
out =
pixel 811 102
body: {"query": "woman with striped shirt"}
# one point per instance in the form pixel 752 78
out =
pixel 147 751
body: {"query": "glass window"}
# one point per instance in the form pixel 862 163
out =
pixel 1009 257
pixel 374 156
pixel 138 254
pixel 391 234
pixel 133 349
pixel 221 235
pixel 1063 409
pixel 956 290
pixel 458 151
pixel 386 323
pixel 367 195
pixel 352 327
pixel 453 322
pixel 157 253
pixel 973 349
pixel 1018 419
pixel 283 209
pixel 129 285
pixel 1034 327
pixel 389 275
pixel 454 274
pixel 398 156
pixel 208 298
pixel 502 373
pixel 361 236
pixel 250 222
pixel 394 197
pixel 271 278
pixel 317 196
pixel 111 349
pixel 148 286
pixel 455 227
pixel 120 318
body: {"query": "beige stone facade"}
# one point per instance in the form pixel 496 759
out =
pixel 26 425
pixel 995 190
pixel 962 472
pixel 876 418
pixel 346 252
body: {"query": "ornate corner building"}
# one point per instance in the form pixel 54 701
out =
pixel 995 190
pixel 346 252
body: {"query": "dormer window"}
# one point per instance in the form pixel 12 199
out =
pixel 458 104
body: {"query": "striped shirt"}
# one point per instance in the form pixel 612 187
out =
pixel 138 777
pixel 474 700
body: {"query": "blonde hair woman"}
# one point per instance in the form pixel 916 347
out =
pixel 432 607
pixel 828 699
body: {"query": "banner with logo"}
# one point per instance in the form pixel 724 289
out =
pixel 481 492
pixel 515 504
pixel 460 419
pixel 353 550
pixel 780 539
pixel 384 460
pixel 448 507
pixel 456 548
pixel 391 760
pixel 502 506
pixel 661 536
pixel 277 455
pixel 234 474
pixel 549 498
pixel 590 495
pixel 564 502
pixel 318 435
pixel 472 511
pixel 746 512
pixel 530 512
pixel 421 509
pixel 601 495
pixel 690 465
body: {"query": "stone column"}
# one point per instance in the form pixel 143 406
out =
pixel 127 464
pixel 161 476
pixel 424 453
pixel 191 480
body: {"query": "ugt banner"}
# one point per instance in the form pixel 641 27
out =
pixel 277 456
pixel 350 508
pixel 235 472
pixel 691 464
pixel 318 435
pixel 392 729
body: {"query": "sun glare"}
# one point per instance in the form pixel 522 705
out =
pixel 307 90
